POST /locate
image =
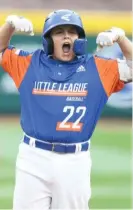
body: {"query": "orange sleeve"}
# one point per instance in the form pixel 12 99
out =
pixel 109 75
pixel 16 64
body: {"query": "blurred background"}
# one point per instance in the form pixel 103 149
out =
pixel 111 143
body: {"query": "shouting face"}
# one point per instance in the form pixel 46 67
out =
pixel 63 39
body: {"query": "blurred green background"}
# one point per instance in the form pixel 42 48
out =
pixel 111 168
pixel 111 147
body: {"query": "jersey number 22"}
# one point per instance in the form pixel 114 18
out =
pixel 67 125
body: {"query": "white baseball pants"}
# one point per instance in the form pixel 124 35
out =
pixel 47 180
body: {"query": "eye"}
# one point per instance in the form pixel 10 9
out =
pixel 58 31
pixel 73 31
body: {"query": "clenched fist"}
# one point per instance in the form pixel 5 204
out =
pixel 108 38
pixel 20 24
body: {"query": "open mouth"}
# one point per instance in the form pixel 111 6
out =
pixel 66 47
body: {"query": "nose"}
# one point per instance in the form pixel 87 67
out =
pixel 66 34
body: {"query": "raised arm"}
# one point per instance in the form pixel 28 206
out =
pixel 126 47
pixel 13 24
pixel 6 32
pixel 111 36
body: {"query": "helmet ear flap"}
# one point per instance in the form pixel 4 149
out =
pixel 80 46
pixel 48 45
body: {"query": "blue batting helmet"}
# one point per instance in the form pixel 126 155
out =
pixel 64 17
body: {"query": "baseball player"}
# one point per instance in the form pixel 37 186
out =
pixel 62 92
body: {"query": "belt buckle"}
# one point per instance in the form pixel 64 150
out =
pixel 32 142
pixel 53 146
pixel 78 147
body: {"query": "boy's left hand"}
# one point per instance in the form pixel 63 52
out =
pixel 107 38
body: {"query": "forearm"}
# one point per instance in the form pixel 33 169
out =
pixel 6 32
pixel 126 47
pixel 108 38
pixel 126 69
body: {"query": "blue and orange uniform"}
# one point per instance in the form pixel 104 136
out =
pixel 61 102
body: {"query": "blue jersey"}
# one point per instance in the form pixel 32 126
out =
pixel 61 101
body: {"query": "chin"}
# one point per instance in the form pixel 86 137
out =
pixel 67 58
